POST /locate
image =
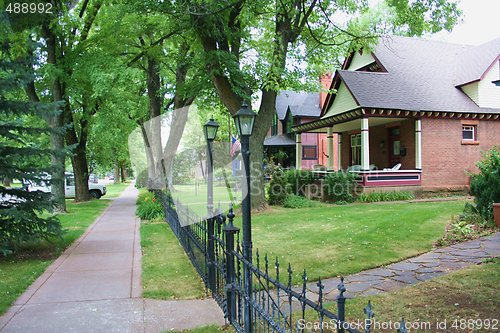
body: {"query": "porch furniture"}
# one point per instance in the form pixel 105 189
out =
pixel 394 168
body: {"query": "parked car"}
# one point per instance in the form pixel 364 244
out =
pixel 96 190
pixel 93 178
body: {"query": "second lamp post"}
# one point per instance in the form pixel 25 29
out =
pixel 244 120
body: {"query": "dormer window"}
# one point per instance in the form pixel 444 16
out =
pixel 373 67
pixel 274 126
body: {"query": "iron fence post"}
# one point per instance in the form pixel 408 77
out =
pixel 230 230
pixel 341 306
pixel 211 254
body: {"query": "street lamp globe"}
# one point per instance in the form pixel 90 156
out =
pixel 244 120
pixel 210 129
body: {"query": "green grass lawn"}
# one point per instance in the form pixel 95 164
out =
pixel 340 240
pixel 19 271
pixel 114 190
pixel 195 197
pixel 167 272
pixel 327 241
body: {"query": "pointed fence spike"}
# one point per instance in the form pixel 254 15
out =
pixel 257 258
pixel 277 267
pixel 341 287
pixel 230 214
pixel 402 328
pixel 266 262
pixel 304 283
pixel 369 316
pixel 290 274
pixel 320 292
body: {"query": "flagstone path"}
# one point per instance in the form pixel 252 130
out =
pixel 432 264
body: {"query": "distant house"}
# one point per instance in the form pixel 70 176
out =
pixel 295 108
pixel 413 112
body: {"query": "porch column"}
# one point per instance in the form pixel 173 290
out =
pixel 298 151
pixel 329 140
pixel 365 145
pixel 418 144
pixel 339 152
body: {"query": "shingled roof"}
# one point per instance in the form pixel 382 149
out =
pixel 422 75
pixel 301 104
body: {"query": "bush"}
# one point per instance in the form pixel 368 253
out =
pixel 142 179
pixel 340 186
pixel 385 196
pixel 278 190
pixel 485 186
pixel 466 226
pixel 296 201
pixel 149 206
pixel 298 179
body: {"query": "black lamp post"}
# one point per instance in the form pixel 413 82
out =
pixel 244 120
pixel 210 131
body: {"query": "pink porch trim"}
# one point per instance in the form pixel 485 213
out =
pixel 377 178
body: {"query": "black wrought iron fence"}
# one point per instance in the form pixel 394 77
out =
pixel 213 246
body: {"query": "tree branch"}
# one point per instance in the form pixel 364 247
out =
pixel 158 42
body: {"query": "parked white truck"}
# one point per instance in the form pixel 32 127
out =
pixel 96 190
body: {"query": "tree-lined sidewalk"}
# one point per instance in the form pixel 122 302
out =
pixel 95 286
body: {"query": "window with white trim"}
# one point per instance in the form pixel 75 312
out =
pixel 469 132
pixel 309 152
pixel 356 149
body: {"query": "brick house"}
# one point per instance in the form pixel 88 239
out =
pixel 412 112
pixel 295 108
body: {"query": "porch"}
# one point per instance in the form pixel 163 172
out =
pixel 385 149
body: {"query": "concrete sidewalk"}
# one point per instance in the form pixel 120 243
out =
pixel 95 286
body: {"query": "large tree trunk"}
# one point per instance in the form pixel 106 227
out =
pixel 149 153
pixel 179 119
pixel 6 182
pixel 79 157
pixel 116 173
pixel 180 113
pixel 80 170
pixel 123 172
pixel 154 133
pixel 262 124
pixel 56 121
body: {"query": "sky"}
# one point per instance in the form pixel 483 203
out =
pixel 481 23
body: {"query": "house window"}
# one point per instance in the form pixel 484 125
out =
pixel 309 152
pixel 469 133
pixel 356 149
pixel 274 127
pixel 288 123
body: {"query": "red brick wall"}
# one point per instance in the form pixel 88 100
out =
pixel 445 159
pixel 346 151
